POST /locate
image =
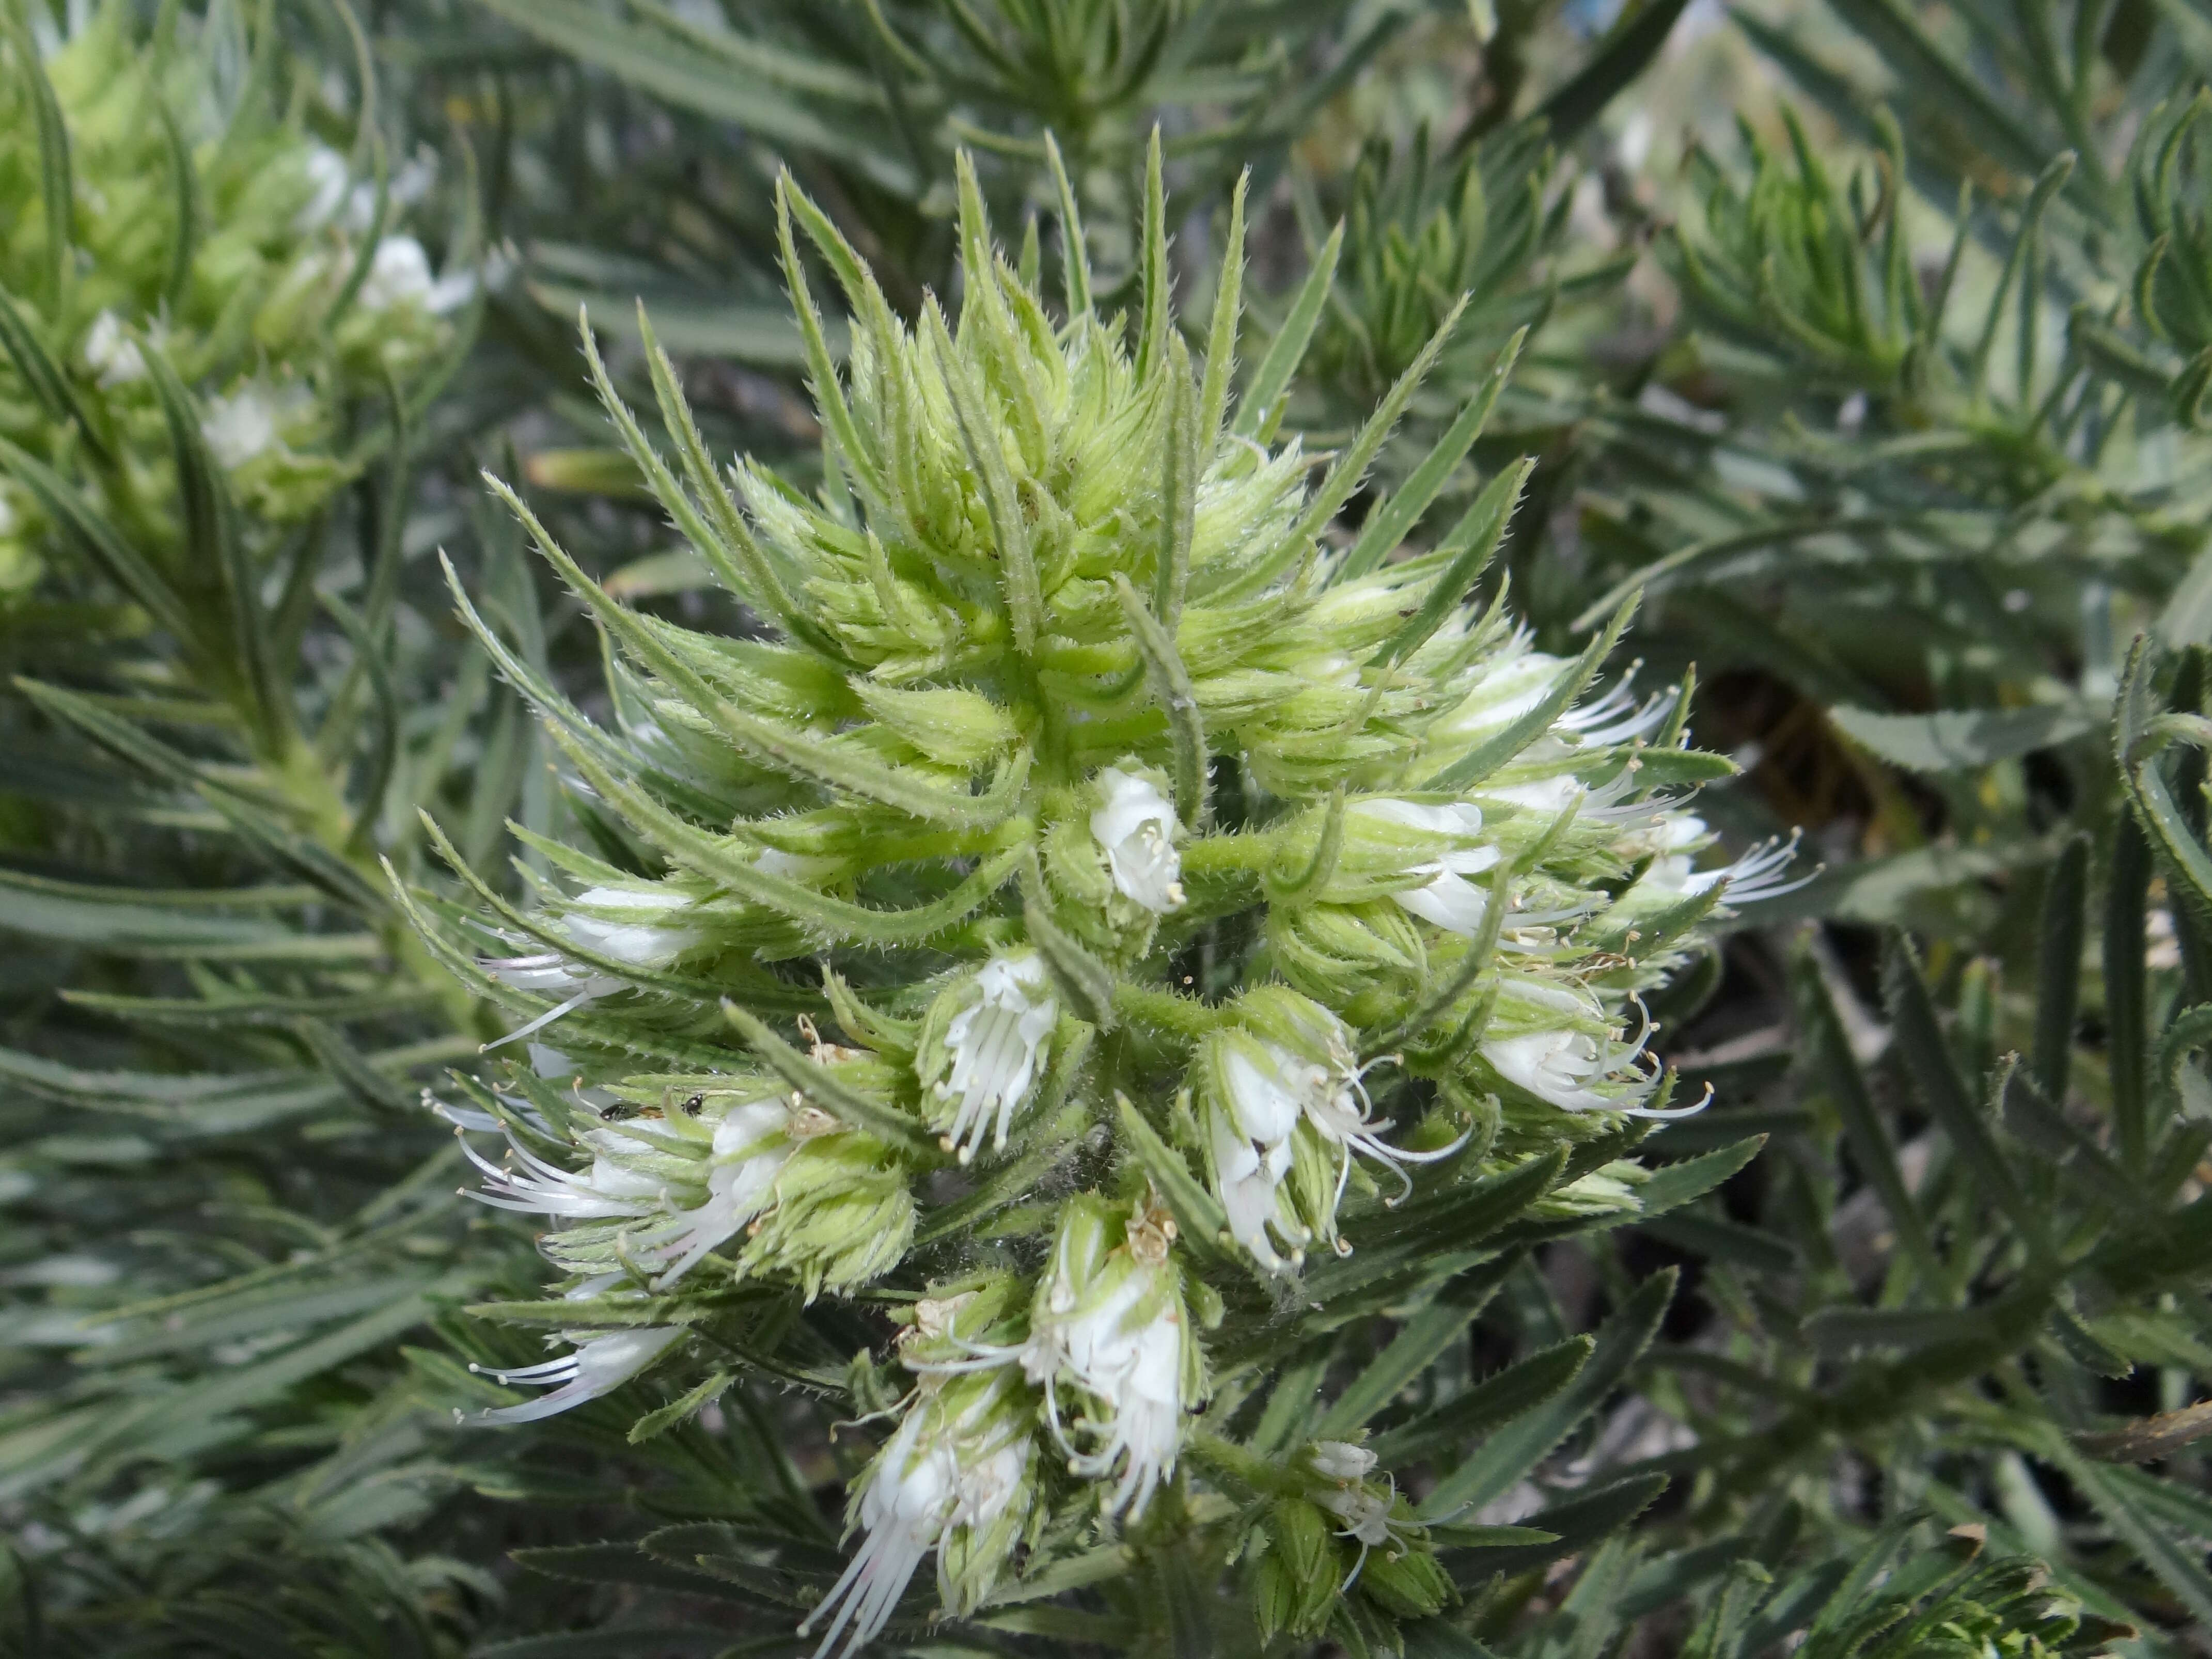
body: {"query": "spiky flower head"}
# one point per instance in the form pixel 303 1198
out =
pixel 1173 868
pixel 207 243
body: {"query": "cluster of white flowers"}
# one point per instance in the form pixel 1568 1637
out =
pixel 1212 832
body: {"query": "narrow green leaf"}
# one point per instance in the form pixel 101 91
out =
pixel 1394 518
pixel 1221 337
pixel 48 382
pixel 1259 410
pixel 1469 546
pixel 2058 967
pixel 1418 1345
pixel 1868 1137
pixel 1625 54
pixel 1574 1525
pixel 1172 689
pixel 1509 1456
pixel 1349 470
pixel 1179 471
pixel 214 546
pixel 1928 1062
pixel 654 1424
pixel 1957 740
pixel 1521 1387
pixel 57 183
pixel 1074 251
pixel 821 1086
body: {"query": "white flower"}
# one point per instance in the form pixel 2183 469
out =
pixel 993 1043
pixel 1251 1131
pixel 1520 680
pixel 399 275
pixel 752 1144
pixel 1340 1460
pixel 625 937
pixel 112 355
pixel 329 178
pixel 1136 827
pixel 1272 1089
pixel 1571 1068
pixel 239 427
pixel 1250 1177
pixel 1365 1515
pixel 1757 875
pixel 1449 900
pixel 946 1467
pixel 600 1365
pixel 1112 1324
pixel 610 1188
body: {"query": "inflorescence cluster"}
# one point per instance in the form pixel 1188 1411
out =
pixel 1181 878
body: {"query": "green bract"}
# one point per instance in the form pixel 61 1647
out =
pixel 170 227
pixel 1168 858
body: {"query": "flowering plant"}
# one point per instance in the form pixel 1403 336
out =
pixel 172 228
pixel 1169 868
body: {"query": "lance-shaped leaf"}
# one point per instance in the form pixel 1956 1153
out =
pixel 1509 1456
pixel 1171 687
pixel 1260 409
pixel 1395 515
pixel 823 1087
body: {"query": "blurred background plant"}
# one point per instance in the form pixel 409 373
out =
pixel 1870 341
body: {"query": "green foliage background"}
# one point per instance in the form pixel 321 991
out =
pixel 1869 343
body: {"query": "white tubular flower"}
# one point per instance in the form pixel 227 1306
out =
pixel 1517 683
pixel 1448 899
pixel 112 355
pixel 1250 1128
pixel 1365 1513
pixel 626 936
pixel 1319 1081
pixel 238 428
pixel 752 1144
pixel 1571 1067
pixel 1757 875
pixel 609 1190
pixel 599 1365
pixel 329 179
pixel 961 1458
pixel 399 275
pixel 993 1045
pixel 1110 1322
pixel 1136 826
